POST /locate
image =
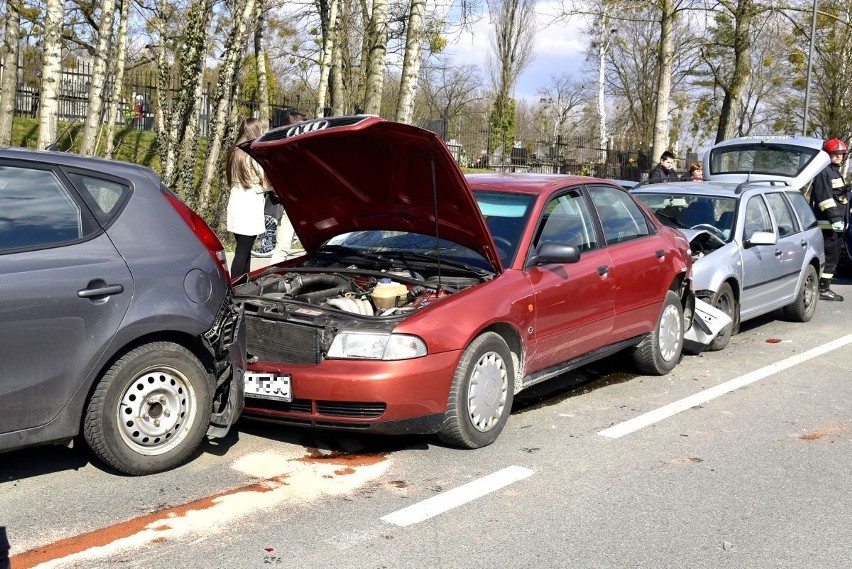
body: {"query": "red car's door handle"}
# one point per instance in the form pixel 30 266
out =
pixel 660 253
pixel 603 270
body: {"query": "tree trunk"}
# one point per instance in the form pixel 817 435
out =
pixel 51 73
pixel 327 50
pixel 339 99
pixel 513 32
pixel 728 124
pixel 411 61
pixel 233 53
pixel 98 82
pixel 9 79
pixel 376 38
pixel 260 61
pixel 119 57
pixel 177 119
pixel 665 65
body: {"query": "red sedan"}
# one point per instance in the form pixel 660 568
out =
pixel 426 300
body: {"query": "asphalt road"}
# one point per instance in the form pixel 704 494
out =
pixel 738 458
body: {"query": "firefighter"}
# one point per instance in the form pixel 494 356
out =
pixel 828 200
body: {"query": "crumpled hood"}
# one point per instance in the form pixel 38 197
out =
pixel 341 174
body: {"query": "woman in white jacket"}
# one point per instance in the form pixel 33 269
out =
pixel 247 183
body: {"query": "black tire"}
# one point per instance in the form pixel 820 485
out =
pixel 264 245
pixel 150 410
pixel 803 308
pixel 725 301
pixel 661 350
pixel 484 381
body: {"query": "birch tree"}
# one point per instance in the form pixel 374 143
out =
pixel 9 79
pixel 330 31
pixel 375 40
pixel 233 53
pixel 51 73
pixel 665 66
pixel 119 56
pixel 260 63
pixel 412 60
pixel 98 80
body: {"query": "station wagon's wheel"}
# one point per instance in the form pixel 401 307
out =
pixel 803 308
pixel 150 410
pixel 725 301
pixel 660 351
pixel 481 394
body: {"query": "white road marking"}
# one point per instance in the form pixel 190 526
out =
pixel 457 496
pixel 671 409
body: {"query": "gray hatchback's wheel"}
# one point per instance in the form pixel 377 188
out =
pixel 150 410
pixel 660 351
pixel 481 394
pixel 803 308
pixel 725 301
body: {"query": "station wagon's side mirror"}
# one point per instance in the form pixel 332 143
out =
pixel 554 252
pixel 761 238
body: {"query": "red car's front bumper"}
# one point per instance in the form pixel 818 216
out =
pixel 390 397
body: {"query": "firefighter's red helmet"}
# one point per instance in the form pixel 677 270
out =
pixel 835 145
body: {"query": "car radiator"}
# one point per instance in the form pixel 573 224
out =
pixel 280 341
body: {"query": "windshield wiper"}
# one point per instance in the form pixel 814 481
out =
pixel 341 251
pixel 670 218
pixel 422 257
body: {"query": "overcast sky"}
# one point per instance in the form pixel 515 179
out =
pixel 558 49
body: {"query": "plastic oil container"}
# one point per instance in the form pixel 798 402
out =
pixel 388 294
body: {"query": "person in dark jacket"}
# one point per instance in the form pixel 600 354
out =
pixel 664 171
pixel 828 200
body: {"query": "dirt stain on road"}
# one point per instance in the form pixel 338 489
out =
pixel 107 535
pixel 829 431
pixel 283 479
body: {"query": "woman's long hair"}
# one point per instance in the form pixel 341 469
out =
pixel 238 169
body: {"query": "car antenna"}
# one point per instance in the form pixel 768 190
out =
pixel 437 223
pixel 53 145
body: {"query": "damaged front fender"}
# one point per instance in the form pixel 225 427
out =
pixel 708 323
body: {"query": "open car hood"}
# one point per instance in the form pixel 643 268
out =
pixel 341 174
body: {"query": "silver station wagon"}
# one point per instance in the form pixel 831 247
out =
pixel 755 242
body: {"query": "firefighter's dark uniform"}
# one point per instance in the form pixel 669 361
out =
pixel 828 200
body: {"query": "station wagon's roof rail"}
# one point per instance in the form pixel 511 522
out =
pixel 750 183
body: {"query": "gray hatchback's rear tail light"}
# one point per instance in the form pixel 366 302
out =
pixel 202 231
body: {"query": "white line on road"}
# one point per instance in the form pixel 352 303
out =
pixel 667 411
pixel 457 496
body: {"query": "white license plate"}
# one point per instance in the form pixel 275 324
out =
pixel 268 386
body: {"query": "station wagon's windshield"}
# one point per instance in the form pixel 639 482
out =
pixel 768 158
pixel 686 211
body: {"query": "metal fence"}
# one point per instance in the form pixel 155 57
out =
pixel 467 138
pixel 136 102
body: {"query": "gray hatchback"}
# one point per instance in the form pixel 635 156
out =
pixel 116 319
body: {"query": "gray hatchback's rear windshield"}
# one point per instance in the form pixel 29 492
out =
pixel 773 158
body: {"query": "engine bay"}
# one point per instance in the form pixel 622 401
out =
pixel 703 243
pixel 395 293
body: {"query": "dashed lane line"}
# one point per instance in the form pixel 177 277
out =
pixel 457 496
pixel 642 421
